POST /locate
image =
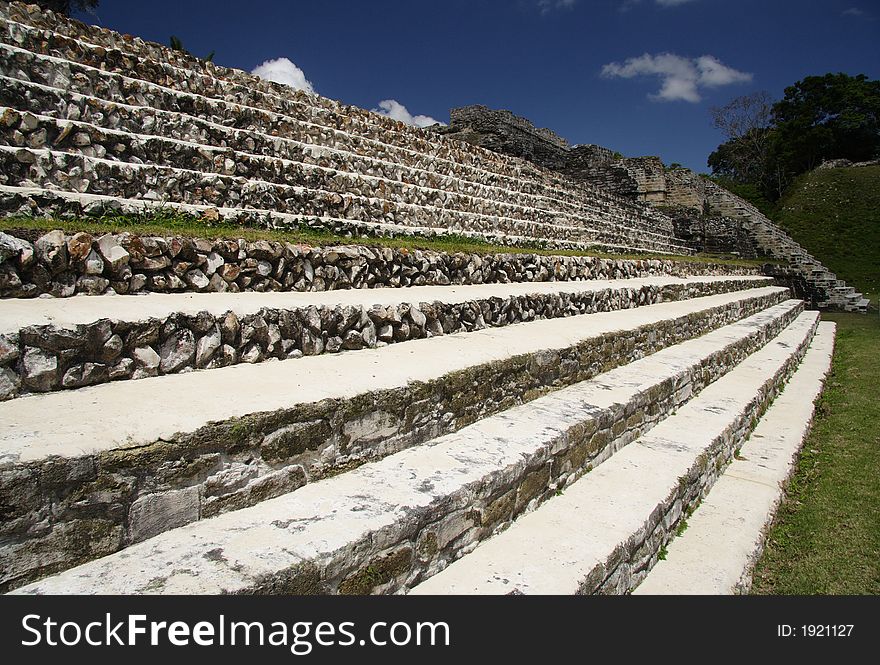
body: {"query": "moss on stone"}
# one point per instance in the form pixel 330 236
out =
pixel 377 572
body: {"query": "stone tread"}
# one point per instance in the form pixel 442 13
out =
pixel 68 312
pixel 567 542
pixel 330 523
pixel 102 417
pixel 725 536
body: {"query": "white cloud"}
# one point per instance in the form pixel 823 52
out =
pixel 853 11
pixel 282 70
pixel 547 6
pixel 391 108
pixel 681 78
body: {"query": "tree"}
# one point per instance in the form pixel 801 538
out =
pixel 746 122
pixel 67 6
pixel 835 116
pixel 820 117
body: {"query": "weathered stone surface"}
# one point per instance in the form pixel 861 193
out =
pixel 207 346
pixel 94 264
pixel 114 254
pixel 177 352
pixel 52 251
pixel 12 248
pixel 146 361
pixel 87 374
pixel 9 383
pixel 39 369
pixel 155 513
pixel 8 350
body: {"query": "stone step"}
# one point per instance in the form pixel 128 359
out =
pixel 277 168
pixel 54 344
pixel 86 472
pixel 40 201
pixel 604 532
pixel 385 525
pixel 83 79
pixel 141 124
pixel 725 535
pixel 93 43
pixel 64 264
pixel 160 73
pixel 52 169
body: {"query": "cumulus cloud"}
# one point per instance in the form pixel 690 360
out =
pixel 681 78
pixel 282 70
pixel 547 6
pixel 391 108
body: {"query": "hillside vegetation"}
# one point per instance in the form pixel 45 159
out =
pixel 835 215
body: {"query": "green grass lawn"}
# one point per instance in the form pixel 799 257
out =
pixel 835 214
pixel 826 539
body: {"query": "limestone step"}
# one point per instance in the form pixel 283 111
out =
pixel 51 169
pixel 138 127
pixel 604 532
pixel 111 464
pixel 57 343
pixel 30 200
pixel 386 525
pixel 90 44
pixel 83 79
pixel 126 146
pixel 725 535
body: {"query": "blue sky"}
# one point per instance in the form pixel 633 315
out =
pixel 636 76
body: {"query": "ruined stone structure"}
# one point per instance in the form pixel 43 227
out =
pixel 213 415
pixel 708 217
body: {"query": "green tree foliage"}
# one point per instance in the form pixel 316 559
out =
pixel 67 6
pixel 828 117
pixel 820 117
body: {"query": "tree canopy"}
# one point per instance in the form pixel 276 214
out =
pixel 835 116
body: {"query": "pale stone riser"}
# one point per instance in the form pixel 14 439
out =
pixel 109 349
pixel 131 121
pixel 123 87
pixel 102 177
pixel 120 496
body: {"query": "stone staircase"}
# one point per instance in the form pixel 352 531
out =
pixel 220 416
pixel 94 122
pixel 377 469
pixel 832 293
